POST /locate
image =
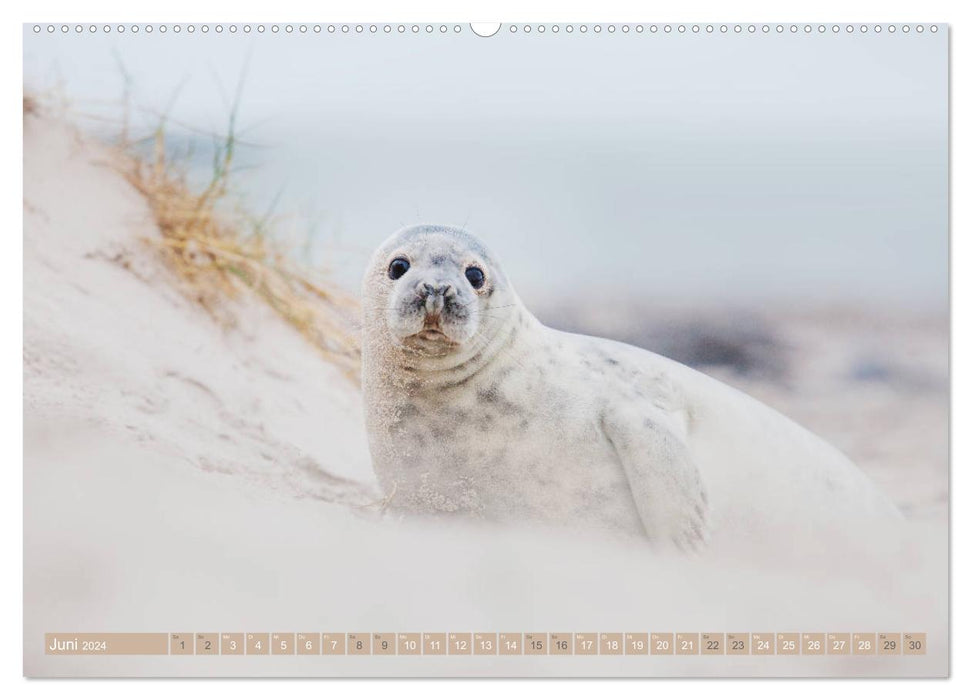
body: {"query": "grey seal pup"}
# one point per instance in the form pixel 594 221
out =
pixel 474 407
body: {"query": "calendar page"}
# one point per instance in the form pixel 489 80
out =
pixel 490 350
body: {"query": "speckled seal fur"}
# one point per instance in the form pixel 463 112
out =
pixel 474 407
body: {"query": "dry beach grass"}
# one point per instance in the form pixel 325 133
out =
pixel 214 254
pixel 217 248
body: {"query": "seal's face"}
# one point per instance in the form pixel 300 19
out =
pixel 435 286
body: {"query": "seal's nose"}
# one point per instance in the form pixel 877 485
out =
pixel 441 289
pixel 434 295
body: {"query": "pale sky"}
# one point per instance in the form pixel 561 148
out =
pixel 688 166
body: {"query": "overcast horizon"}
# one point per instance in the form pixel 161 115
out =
pixel 727 167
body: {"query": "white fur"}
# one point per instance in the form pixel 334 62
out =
pixel 521 422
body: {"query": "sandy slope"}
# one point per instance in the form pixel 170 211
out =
pixel 180 477
pixel 109 340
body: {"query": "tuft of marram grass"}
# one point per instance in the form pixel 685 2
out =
pixel 217 254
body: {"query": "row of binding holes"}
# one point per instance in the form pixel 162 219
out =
pixel 526 28
pixel 712 29
pixel 259 29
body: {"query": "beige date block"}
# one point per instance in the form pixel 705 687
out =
pixel 308 643
pixel 712 643
pixel 864 643
pixel 561 643
pixel 889 644
pixel 510 643
pixel 813 643
pixel 585 643
pixel 207 643
pixel 915 643
pixel 359 643
pixel 257 643
pixel 662 643
pixel 787 643
pixel 536 644
pixel 231 643
pixel 838 643
pixel 737 643
pixel 182 643
pixel 283 643
pixel 409 644
pixel 485 643
pixel 637 643
pixel 433 643
pixel 383 644
pixel 459 643
pixel 763 643
pixel 333 643
pixel 611 643
pixel 686 643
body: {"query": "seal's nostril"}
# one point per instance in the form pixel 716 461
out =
pixel 428 290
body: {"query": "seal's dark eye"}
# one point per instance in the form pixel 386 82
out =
pixel 398 267
pixel 475 276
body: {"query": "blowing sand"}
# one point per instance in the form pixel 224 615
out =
pixel 180 476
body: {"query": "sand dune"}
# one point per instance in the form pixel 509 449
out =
pixel 180 476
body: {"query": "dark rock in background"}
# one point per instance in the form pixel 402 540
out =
pixel 743 342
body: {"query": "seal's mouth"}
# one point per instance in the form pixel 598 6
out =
pixel 436 329
pixel 432 334
pixel 431 342
pixel 432 331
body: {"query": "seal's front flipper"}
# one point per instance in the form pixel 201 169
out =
pixel 664 481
